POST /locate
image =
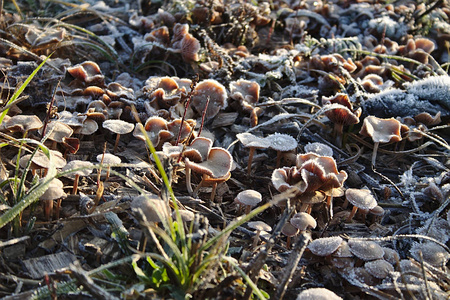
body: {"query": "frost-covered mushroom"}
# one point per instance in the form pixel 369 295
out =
pixel 260 227
pixel 381 131
pixel 325 246
pixel 56 131
pixel 88 72
pixel 41 161
pixel 53 192
pixel 212 90
pixel 215 169
pixel 281 143
pixel 379 268
pixel 157 132
pixel 149 208
pixel 109 159
pixel 189 48
pixel 361 199
pixel 377 212
pixel 308 199
pixel 247 93
pixel 317 294
pixel 197 152
pixel 248 199
pixel 342 116
pixel 365 250
pixel 319 149
pixel 391 256
pixel 85 170
pixel 302 221
pixel 432 253
pixel 119 127
pixel 343 257
pixel 252 142
pixel 23 123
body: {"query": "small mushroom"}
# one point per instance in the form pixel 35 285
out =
pixel 281 143
pixel 86 169
pixel 302 221
pixel 212 90
pixel 260 227
pixel 343 116
pixel 88 72
pixel 325 246
pixel 381 131
pixel 365 250
pixel 56 131
pixel 54 192
pixel 289 230
pixel 109 159
pixel 253 142
pixel 119 127
pixel 432 253
pixel 361 199
pixel 317 294
pixel 41 161
pixel 23 123
pixel 248 199
pixel 157 132
pixel 379 268
pixel 319 149
pixel 247 93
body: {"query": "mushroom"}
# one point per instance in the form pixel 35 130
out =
pixel 379 268
pixel 119 127
pixel 189 48
pixel 325 246
pixel 377 212
pixel 109 159
pixel 308 199
pixel 342 257
pixel 365 250
pixel 85 170
pixel 248 199
pixel 41 161
pixel 319 149
pixel 302 221
pixel 361 199
pixel 157 132
pixel 289 230
pixel 260 227
pixel 391 256
pixel 23 123
pixel 54 192
pixel 247 93
pixel 381 131
pixel 343 116
pixel 196 152
pixel 215 169
pixel 56 131
pixel 88 72
pixel 253 142
pixel 212 90
pixel 317 294
pixel 281 143
pixel 432 253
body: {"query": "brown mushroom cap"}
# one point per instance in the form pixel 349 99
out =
pixel 245 91
pixel 56 131
pixel 118 126
pixel 344 115
pixel 249 197
pixel 217 165
pixel 88 72
pixel 379 268
pixel 361 198
pixel 391 256
pixel 302 221
pixel 325 246
pixel 381 130
pixel 189 48
pixel 23 123
pixel 365 250
pixel 343 251
pixel 317 294
pixel 41 160
pixel 217 97
pixel 289 230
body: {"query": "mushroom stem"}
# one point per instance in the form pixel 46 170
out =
pixel 338 131
pixel 75 184
pixel 256 238
pixel 352 214
pixel 250 158
pixel 58 206
pixel 213 192
pixel 48 209
pixel 329 199
pixel 188 180
pixel 107 174
pixel 374 153
pixel 254 116
pixel 278 159
pixel 116 143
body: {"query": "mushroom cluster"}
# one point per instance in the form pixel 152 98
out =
pixel 312 173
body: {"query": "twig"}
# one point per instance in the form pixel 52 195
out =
pixel 292 263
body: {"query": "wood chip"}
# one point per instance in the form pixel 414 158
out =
pixel 38 267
